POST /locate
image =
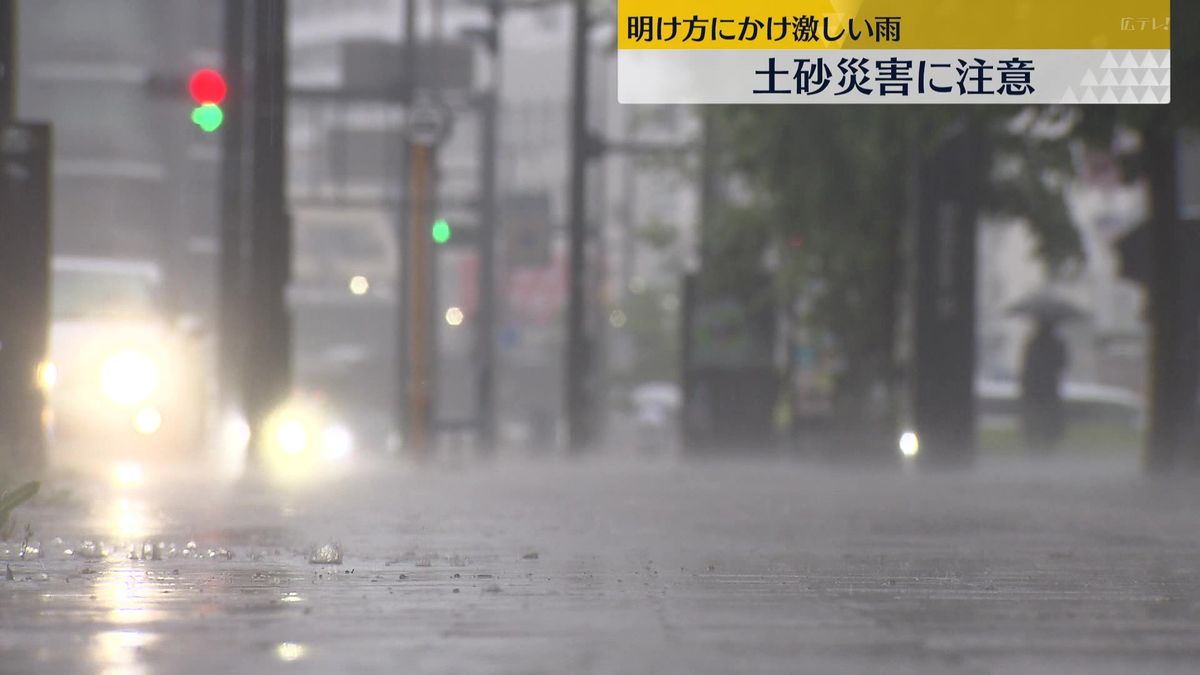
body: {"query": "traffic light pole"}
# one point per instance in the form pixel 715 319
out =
pixel 576 362
pixel 267 369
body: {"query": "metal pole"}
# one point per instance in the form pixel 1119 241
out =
pixel 404 228
pixel 230 272
pixel 576 365
pixel 419 400
pixel 267 371
pixel 489 232
pixel 629 213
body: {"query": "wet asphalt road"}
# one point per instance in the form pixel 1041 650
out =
pixel 597 567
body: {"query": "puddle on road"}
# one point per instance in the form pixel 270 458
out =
pixel 127 592
pixel 120 650
pixel 290 651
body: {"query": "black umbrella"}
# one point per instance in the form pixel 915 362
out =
pixel 1045 306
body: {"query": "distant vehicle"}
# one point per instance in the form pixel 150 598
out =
pixel 308 438
pixel 656 411
pixel 124 379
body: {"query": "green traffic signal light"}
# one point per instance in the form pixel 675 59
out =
pixel 441 231
pixel 208 117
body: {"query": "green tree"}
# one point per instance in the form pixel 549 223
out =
pixel 830 189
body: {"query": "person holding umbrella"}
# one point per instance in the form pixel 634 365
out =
pixel 1044 362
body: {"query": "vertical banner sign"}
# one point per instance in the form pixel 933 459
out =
pixel 894 51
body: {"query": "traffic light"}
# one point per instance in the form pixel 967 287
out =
pixel 208 89
pixel 441 231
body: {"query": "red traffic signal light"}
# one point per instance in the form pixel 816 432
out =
pixel 207 87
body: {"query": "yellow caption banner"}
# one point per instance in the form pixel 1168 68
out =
pixel 895 24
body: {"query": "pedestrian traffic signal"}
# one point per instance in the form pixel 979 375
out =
pixel 208 89
pixel 441 231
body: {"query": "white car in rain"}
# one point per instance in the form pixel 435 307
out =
pixel 656 407
pixel 124 381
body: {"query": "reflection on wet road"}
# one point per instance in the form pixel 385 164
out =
pixel 596 568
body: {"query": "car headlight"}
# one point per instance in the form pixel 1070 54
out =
pixel 300 442
pixel 147 421
pixel 47 375
pixel 129 378
pixel 337 442
pixel 291 437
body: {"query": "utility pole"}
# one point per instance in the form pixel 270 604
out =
pixel 576 370
pixel 231 262
pixel 419 403
pixel 426 122
pixel 414 318
pixel 489 233
pixel 267 369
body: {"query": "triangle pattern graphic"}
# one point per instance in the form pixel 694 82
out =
pixel 1124 78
